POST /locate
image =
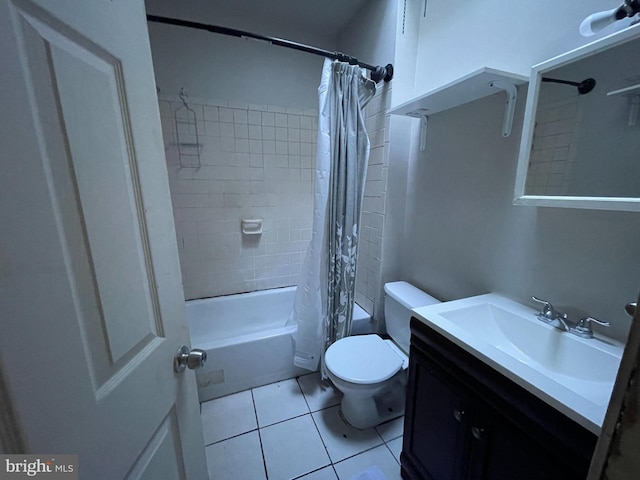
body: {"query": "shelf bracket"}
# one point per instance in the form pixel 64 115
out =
pixel 421 113
pixel 510 106
pixel 633 110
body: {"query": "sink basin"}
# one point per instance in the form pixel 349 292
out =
pixel 573 374
pixel 531 341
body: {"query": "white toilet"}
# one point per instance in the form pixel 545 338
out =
pixel 372 372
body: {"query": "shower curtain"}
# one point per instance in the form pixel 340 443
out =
pixel 323 306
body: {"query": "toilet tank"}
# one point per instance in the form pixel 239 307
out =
pixel 399 299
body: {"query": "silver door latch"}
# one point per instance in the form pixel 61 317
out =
pixel 192 359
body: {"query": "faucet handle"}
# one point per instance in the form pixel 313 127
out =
pixel 548 311
pixel 587 320
pixel 583 327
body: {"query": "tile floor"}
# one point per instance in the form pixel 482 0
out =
pixel 293 430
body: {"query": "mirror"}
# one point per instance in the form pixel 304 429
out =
pixel 580 144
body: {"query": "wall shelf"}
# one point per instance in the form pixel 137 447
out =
pixel 633 93
pixel 626 92
pixel 474 86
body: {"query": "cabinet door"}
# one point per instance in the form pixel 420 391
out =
pixel 504 432
pixel 436 418
pixel 502 450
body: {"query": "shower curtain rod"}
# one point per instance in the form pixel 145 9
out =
pixel 378 73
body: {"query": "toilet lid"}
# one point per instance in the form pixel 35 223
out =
pixel 362 359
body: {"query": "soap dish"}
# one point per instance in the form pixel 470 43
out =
pixel 251 226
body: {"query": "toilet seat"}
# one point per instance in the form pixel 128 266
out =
pixel 363 359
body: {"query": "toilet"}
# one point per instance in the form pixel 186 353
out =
pixel 372 372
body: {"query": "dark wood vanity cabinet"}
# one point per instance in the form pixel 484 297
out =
pixel 465 420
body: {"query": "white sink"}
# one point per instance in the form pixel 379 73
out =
pixel 573 374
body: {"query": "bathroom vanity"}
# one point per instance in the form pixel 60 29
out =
pixel 465 420
pixel 471 414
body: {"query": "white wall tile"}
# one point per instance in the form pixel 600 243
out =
pixel 306 122
pixel 282 148
pixel 247 171
pixel 242 145
pixel 307 136
pixel 368 281
pixel 293 121
pixel 281 120
pixel 255 132
pixel 240 116
pixel 226 114
pixel 268 119
pixel 211 113
pixel 212 128
pixel 293 134
pixel 241 130
pixel 269 146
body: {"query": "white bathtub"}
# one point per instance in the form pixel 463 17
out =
pixel 247 340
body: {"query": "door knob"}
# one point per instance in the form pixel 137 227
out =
pixel 192 359
pixel 458 414
pixel 630 308
pixel 477 432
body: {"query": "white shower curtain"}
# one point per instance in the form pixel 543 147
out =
pixel 323 306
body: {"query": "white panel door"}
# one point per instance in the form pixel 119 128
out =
pixel 91 302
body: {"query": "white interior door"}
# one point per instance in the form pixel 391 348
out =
pixel 90 288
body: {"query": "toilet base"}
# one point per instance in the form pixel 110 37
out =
pixel 362 412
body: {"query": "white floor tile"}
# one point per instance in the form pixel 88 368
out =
pixel 227 416
pixel 379 456
pixel 391 429
pixel 279 401
pixel 395 446
pixel 326 473
pixel 319 394
pixel 236 458
pixel 341 439
pixel 292 448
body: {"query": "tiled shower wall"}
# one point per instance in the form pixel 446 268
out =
pixel 256 163
pixel 555 143
pixel 369 292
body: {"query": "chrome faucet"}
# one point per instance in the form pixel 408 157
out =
pixel 583 327
pixel 555 318
pixel 551 316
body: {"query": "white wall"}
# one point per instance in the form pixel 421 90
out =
pixel 239 70
pixel 401 131
pixel 457 38
pixel 210 65
pixel 286 19
pixel 370 36
pixel 462 234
